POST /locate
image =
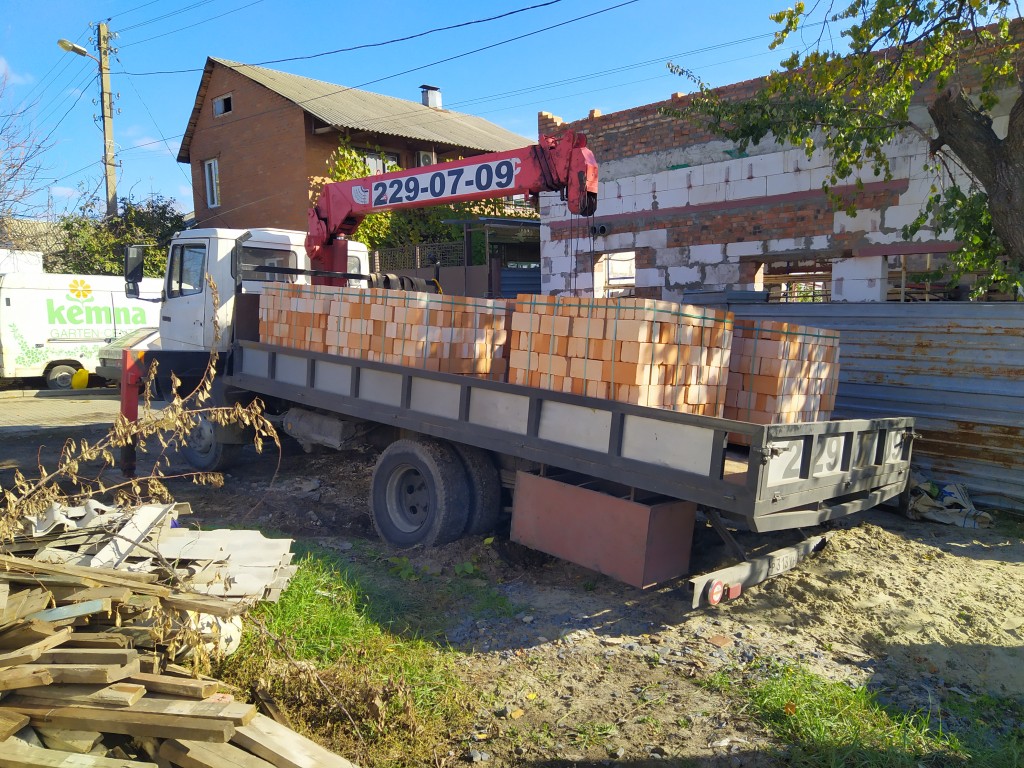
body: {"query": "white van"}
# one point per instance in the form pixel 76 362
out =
pixel 53 325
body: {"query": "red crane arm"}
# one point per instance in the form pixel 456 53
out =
pixel 558 163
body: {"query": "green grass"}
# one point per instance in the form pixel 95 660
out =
pixel 831 724
pixel 375 695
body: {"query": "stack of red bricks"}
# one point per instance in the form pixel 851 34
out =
pixel 450 334
pixel 781 373
pixel 638 351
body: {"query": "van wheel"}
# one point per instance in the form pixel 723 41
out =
pixel 204 452
pixel 419 495
pixel 484 489
pixel 59 376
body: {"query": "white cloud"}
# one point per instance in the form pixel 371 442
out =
pixel 12 77
pixel 63 192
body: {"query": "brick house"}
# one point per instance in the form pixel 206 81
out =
pixel 681 210
pixel 256 137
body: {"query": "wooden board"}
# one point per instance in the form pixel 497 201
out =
pixel 175 686
pixel 16 754
pixel 213 708
pixel 16 678
pixel 87 656
pixel 34 650
pixel 283 747
pixel 81 742
pixel 128 722
pixel 96 577
pixel 116 695
pixel 93 673
pixel 11 723
pixel 197 754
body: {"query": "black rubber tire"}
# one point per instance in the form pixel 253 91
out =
pixel 419 495
pixel 484 489
pixel 204 452
pixel 59 376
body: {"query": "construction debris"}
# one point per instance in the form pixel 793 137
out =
pixel 96 604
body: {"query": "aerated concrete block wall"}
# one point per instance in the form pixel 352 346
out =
pixel 702 216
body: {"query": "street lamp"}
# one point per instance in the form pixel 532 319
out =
pixel 106 107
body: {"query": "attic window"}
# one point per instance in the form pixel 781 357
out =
pixel 222 105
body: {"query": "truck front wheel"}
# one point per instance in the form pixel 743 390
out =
pixel 205 452
pixel 419 494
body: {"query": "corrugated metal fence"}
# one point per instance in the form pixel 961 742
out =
pixel 958 367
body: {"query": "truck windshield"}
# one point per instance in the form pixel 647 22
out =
pixel 252 258
pixel 185 270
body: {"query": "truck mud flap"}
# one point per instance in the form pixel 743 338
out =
pixel 729 583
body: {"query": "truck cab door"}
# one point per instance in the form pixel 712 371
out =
pixel 186 313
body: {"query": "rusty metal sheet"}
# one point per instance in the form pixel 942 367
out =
pixel 639 544
pixel 956 367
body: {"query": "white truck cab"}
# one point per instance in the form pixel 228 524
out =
pixel 234 262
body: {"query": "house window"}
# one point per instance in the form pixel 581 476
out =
pixel 211 173
pixel 615 275
pixel 185 270
pixel 380 162
pixel 222 105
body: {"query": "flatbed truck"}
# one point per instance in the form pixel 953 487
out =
pixel 584 475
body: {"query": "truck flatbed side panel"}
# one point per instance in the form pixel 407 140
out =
pixel 679 455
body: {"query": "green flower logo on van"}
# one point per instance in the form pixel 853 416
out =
pixel 79 292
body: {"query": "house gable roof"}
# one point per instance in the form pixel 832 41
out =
pixel 356 110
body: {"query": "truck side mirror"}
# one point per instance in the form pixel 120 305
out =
pixel 134 259
pixel 131 289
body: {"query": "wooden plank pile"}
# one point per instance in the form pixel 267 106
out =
pixel 640 351
pixel 237 565
pixel 781 373
pixel 450 334
pixel 87 659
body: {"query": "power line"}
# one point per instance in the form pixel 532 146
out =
pixel 182 29
pixel 169 15
pixel 366 45
pixel 136 8
pixel 157 126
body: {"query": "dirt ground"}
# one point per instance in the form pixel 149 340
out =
pixel 587 666
pixel 583 669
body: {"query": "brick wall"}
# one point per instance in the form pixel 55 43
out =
pixel 260 149
pixel 710 216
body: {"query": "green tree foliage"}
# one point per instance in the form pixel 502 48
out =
pixel 94 245
pixel 958 56
pixel 413 225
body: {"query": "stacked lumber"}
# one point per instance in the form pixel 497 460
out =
pixel 782 373
pixel 87 659
pixel 639 351
pixel 450 334
pixel 237 565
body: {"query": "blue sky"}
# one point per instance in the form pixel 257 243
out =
pixel 612 59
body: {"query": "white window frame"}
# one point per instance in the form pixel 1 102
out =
pixel 222 100
pixel 211 178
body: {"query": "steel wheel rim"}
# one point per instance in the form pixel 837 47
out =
pixel 408 499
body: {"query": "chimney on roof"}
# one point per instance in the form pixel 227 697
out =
pixel 431 96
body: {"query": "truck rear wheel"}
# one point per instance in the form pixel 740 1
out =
pixel 484 489
pixel 419 494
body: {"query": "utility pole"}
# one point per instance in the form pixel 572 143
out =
pixel 106 107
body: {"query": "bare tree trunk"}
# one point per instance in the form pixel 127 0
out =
pixel 997 163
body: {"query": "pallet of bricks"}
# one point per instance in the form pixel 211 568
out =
pixel 449 334
pixel 639 351
pixel 781 373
